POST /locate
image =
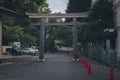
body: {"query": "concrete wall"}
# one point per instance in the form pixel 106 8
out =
pixel 116 8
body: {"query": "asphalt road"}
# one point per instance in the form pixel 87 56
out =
pixel 56 67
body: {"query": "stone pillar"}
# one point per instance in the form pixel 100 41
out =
pixel 0 40
pixel 42 34
pixel 75 39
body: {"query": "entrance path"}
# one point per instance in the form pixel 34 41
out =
pixel 56 67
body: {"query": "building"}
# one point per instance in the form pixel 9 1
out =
pixel 116 8
pixel 6 15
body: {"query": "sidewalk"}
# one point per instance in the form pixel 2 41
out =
pixel 6 56
pixel 100 70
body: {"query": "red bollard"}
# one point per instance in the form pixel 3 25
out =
pixel 89 70
pixel 111 74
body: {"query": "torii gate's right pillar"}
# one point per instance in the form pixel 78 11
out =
pixel 75 39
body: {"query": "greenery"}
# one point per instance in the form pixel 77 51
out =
pixel 22 6
pixel 100 20
pixel 17 33
pixel 75 6
pixel 23 32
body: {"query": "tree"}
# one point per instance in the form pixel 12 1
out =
pixel 75 6
pixel 23 6
pixel 16 33
pixel 26 34
pixel 103 15
pixel 100 18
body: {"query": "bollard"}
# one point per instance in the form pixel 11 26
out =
pixel 89 70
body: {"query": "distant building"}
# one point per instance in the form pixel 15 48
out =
pixel 16 44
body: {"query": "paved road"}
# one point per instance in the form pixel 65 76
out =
pixel 56 67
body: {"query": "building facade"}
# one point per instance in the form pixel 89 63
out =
pixel 116 8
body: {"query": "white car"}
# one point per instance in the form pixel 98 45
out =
pixel 29 51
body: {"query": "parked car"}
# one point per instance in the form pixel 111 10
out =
pixel 29 51
pixel 16 51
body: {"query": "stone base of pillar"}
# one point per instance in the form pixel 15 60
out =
pixel 75 59
pixel 76 56
pixel 40 60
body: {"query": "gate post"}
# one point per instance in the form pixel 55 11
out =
pixel 75 38
pixel 42 34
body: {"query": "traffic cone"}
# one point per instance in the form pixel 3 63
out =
pixel 89 70
pixel 111 74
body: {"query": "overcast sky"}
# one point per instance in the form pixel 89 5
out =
pixel 58 5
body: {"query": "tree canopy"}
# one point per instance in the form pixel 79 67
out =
pixel 23 32
pixel 23 6
pixel 78 6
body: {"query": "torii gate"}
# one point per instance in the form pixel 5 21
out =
pixel 43 24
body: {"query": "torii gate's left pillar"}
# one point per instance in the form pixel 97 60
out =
pixel 42 34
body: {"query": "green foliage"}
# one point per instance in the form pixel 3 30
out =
pixel 78 6
pixel 23 6
pixel 16 33
pixel 27 35
pixel 61 33
pixel 49 44
pixel 28 39
pixel 102 13
pixel 11 34
pixel 100 18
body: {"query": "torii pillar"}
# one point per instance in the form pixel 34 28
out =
pixel 42 34
pixel 75 39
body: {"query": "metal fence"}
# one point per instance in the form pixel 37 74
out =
pixel 98 52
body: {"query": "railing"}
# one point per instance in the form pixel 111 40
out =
pixel 100 54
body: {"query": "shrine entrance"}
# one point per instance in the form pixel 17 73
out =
pixel 42 23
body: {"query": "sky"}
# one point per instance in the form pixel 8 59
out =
pixel 57 5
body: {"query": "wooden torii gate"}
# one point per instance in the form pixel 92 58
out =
pixel 43 24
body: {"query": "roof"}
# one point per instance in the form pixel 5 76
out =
pixel 7 14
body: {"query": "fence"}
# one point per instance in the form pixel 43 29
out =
pixel 98 51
